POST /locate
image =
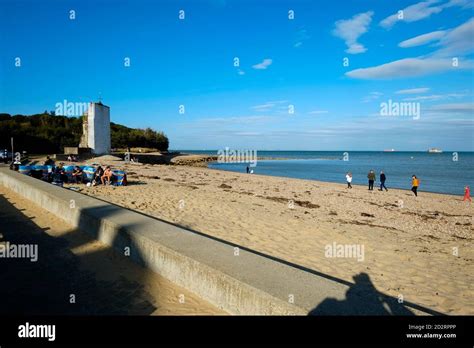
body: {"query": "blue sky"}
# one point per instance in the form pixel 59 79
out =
pixel 284 64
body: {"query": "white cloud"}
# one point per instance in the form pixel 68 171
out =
pixel 372 96
pixel 248 134
pixel 461 108
pixel 240 72
pixel 457 41
pixel 301 36
pixel 263 65
pixel 422 10
pixel 465 4
pixel 268 105
pixel 413 90
pixel 244 120
pixel 435 97
pixel 408 67
pixel 423 39
pixel 318 112
pixel 412 13
pixel 263 107
pixel 278 101
pixel 351 29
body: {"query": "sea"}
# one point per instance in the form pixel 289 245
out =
pixel 446 172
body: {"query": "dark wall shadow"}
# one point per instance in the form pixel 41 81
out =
pixel 44 287
pixel 362 298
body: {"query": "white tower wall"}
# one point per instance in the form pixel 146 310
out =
pixel 98 136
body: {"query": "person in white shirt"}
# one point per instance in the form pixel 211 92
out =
pixel 349 179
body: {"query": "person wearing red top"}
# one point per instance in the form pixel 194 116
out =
pixel 467 194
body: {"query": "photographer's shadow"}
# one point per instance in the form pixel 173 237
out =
pixel 362 298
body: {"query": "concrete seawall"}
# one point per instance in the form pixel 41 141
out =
pixel 234 279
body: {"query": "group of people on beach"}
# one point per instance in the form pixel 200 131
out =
pixel 415 182
pixel 72 158
pixel 59 176
pixel 371 176
pixel 100 176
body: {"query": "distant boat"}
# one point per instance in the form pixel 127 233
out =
pixel 389 150
pixel 435 150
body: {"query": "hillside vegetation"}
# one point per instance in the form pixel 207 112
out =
pixel 47 133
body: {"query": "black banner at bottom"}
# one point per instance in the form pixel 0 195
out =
pixel 133 331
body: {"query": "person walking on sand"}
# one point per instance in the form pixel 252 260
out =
pixel 415 182
pixel 349 179
pixel 467 194
pixel 382 181
pixel 371 177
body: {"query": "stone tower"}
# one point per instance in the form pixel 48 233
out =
pixel 96 129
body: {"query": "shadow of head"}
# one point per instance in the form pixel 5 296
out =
pixel 362 298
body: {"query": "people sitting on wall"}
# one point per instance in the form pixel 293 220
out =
pixel 48 162
pixel 62 173
pixel 58 176
pixel 77 175
pixel 99 172
pixel 107 176
pixel 15 165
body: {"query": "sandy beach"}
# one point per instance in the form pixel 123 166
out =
pixel 420 248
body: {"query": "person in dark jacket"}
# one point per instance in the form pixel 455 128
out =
pixel 371 177
pixel 77 175
pixel 49 161
pixel 382 181
pixel 97 176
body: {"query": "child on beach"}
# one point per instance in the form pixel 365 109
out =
pixel 467 194
pixel 382 181
pixel 349 179
pixel 415 182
